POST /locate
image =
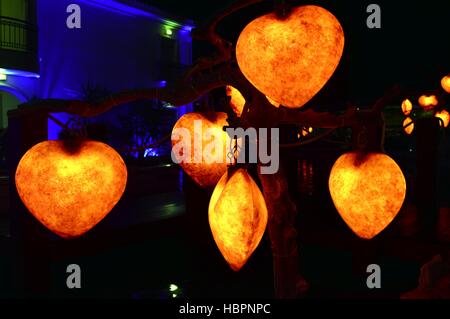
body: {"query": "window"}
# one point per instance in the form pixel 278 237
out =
pixel 13 25
pixel 16 9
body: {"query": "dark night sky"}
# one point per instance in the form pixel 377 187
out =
pixel 412 48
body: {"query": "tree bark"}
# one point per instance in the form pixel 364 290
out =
pixel 288 282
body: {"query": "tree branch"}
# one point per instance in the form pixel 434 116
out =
pixel 387 98
pixel 181 93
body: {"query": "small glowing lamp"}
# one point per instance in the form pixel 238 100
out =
pixel 407 107
pixel 237 101
pixel 444 116
pixel 445 82
pixel 428 102
pixel 408 125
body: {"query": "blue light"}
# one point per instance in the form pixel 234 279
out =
pixel 151 152
pixel 188 28
pixel 54 129
pixel 122 8
pixel 19 73
pixel 169 106
pixel 113 6
pixel 18 93
pixel 65 69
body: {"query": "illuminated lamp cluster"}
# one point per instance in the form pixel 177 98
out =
pixel 428 103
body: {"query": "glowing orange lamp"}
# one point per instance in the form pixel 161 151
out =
pixel 307 131
pixel 290 60
pixel 70 188
pixel 407 107
pixel 445 82
pixel 444 116
pixel 237 217
pixel 428 102
pixel 368 191
pixel 408 126
pixel 199 146
pixel 237 101
pixel 273 102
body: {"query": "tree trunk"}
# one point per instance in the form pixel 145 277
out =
pixel 288 282
pixel 427 140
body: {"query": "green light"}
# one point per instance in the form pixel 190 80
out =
pixel 173 287
pixel 174 295
pixel 169 31
pixel 3 77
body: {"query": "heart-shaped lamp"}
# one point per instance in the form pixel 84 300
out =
pixel 290 60
pixel 428 102
pixel 237 101
pixel 445 82
pixel 444 116
pixel 70 186
pixel 199 146
pixel 368 191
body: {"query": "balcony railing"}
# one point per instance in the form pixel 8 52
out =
pixel 17 35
